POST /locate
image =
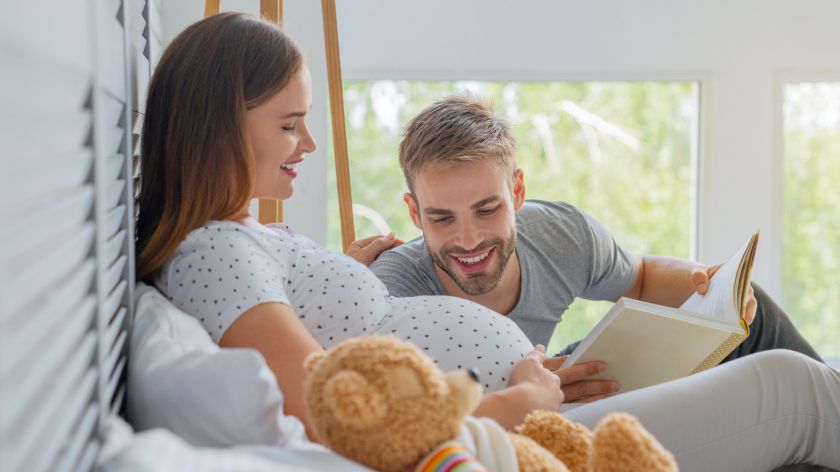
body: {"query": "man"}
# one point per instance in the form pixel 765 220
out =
pixel 528 260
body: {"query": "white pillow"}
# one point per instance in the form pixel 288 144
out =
pixel 179 379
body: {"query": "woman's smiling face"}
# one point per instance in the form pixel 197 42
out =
pixel 279 137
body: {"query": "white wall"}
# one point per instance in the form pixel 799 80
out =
pixel 741 51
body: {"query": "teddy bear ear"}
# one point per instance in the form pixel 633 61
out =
pixel 312 361
pixel 353 400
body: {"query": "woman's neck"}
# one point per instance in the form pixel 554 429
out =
pixel 246 219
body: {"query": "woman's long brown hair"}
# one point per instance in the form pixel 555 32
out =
pixel 196 162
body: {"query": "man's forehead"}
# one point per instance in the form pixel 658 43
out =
pixel 473 172
pixel 446 186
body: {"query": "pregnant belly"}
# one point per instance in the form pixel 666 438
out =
pixel 459 334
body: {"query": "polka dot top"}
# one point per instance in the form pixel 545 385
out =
pixel 223 269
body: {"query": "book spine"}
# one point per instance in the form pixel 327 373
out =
pixel 722 351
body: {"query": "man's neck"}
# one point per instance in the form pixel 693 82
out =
pixel 502 299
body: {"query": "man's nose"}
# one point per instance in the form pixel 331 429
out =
pixel 469 235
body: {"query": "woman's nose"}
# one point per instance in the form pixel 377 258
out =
pixel 308 144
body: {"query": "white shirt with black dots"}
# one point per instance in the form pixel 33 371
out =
pixel 223 269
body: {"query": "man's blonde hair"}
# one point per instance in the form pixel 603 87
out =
pixel 458 129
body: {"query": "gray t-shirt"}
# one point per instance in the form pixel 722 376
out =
pixel 563 253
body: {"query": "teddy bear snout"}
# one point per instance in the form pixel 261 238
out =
pixel 465 391
pixel 474 374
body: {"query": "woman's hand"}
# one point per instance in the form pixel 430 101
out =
pixel 368 249
pixel 532 387
pixel 542 384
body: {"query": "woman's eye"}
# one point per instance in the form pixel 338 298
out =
pixel 289 128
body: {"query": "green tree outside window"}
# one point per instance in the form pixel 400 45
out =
pixel 811 237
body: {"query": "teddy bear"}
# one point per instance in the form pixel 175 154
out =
pixel 383 403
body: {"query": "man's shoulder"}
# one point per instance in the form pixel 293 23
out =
pixel 404 259
pixel 412 251
pixel 541 213
pixel 407 270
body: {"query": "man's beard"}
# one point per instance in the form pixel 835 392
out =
pixel 476 284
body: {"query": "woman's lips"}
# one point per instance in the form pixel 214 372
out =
pixel 290 168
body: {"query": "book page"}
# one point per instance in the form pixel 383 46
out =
pixel 726 287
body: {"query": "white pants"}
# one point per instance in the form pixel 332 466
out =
pixel 756 413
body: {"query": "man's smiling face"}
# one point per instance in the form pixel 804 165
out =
pixel 467 215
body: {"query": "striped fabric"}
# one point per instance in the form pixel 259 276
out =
pixel 449 457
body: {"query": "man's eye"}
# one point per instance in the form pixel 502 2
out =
pixel 442 219
pixel 487 211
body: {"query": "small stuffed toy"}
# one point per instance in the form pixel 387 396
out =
pixel 381 402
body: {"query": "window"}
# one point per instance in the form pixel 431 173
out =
pixel 811 235
pixel 622 151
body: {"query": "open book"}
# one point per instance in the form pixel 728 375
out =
pixel 647 344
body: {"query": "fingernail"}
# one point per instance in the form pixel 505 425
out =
pixel 616 387
pixel 540 347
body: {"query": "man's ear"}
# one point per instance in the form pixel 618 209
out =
pixel 518 189
pixel 411 203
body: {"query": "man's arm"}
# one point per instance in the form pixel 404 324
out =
pixel 664 280
pixel 670 281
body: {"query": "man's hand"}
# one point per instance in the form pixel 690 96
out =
pixel 700 277
pixel 368 249
pixel 577 390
